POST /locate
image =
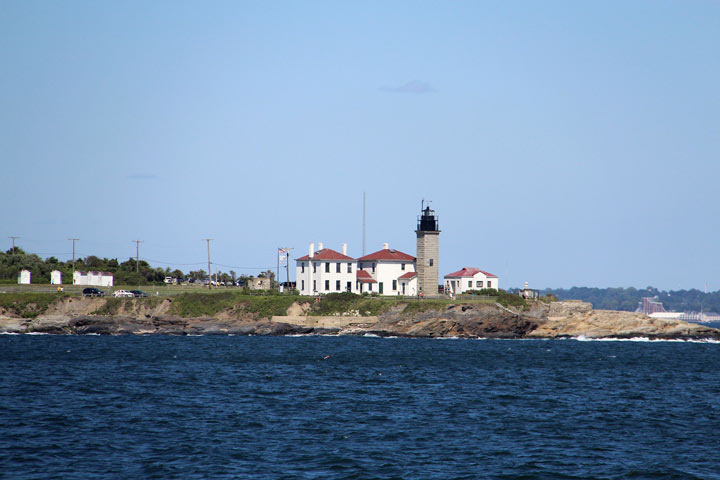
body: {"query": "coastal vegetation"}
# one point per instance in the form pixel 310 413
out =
pixel 205 305
pixel 28 305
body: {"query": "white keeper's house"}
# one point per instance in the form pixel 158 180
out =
pixel 470 279
pixel 387 272
pixel 325 271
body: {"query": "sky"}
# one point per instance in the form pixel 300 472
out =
pixel 561 143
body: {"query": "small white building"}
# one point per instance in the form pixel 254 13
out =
pixel 56 277
pixel 24 277
pixel 408 284
pixel 95 279
pixel 325 271
pixel 470 279
pixel 259 283
pixel 387 272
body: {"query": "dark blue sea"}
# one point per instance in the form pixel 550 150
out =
pixel 215 407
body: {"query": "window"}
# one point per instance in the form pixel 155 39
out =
pixel 337 268
pixel 348 287
pixel 327 267
pixel 314 285
pixel 302 267
pixel 489 284
pixel 478 283
pixel 327 285
pixel 362 265
pixel 369 287
pixel 431 262
pixel 469 283
pixel 402 266
pixel 314 267
pixel 374 267
pixel 302 285
pixel 337 284
pixel 394 285
pixel 349 267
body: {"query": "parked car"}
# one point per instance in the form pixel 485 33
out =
pixel 93 292
pixel 122 293
pixel 138 293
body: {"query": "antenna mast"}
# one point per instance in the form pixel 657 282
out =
pixel 363 226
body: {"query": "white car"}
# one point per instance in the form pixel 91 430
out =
pixel 122 293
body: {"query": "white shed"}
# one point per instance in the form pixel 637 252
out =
pixel 56 277
pixel 96 279
pixel 24 277
pixel 470 279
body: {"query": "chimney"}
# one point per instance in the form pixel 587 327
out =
pixel 320 246
pixel 344 249
pixel 311 253
pixel 385 246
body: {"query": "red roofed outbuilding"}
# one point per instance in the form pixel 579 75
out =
pixel 470 279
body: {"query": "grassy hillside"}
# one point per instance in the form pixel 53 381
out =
pixel 263 305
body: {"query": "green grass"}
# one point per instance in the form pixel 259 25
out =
pixel 419 306
pixel 204 305
pixel 29 305
pixel 113 305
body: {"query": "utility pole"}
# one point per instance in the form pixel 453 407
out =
pixel 74 240
pixel 287 265
pixel 13 243
pixel 209 271
pixel 137 255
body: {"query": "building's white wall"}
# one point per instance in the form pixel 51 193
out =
pixel 385 272
pixel 304 280
pixel 56 277
pixel 24 277
pixel 410 286
pixel 94 279
pixel 461 285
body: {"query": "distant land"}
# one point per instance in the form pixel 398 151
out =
pixel 626 299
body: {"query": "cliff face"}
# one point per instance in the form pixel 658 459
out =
pixel 476 320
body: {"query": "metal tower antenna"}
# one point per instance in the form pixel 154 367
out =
pixel 363 226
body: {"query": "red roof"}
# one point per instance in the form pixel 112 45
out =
pixel 469 272
pixel 327 254
pixel 365 277
pixel 408 275
pixel 388 254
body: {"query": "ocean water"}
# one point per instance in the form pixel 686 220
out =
pixel 160 407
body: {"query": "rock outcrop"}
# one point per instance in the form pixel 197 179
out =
pixel 472 320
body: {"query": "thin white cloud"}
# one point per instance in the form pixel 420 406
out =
pixel 415 86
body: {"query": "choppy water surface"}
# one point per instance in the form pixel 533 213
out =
pixel 252 407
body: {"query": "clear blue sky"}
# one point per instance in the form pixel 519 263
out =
pixel 561 143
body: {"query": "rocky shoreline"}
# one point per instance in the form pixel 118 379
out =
pixel 570 319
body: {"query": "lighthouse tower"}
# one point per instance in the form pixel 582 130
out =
pixel 428 250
